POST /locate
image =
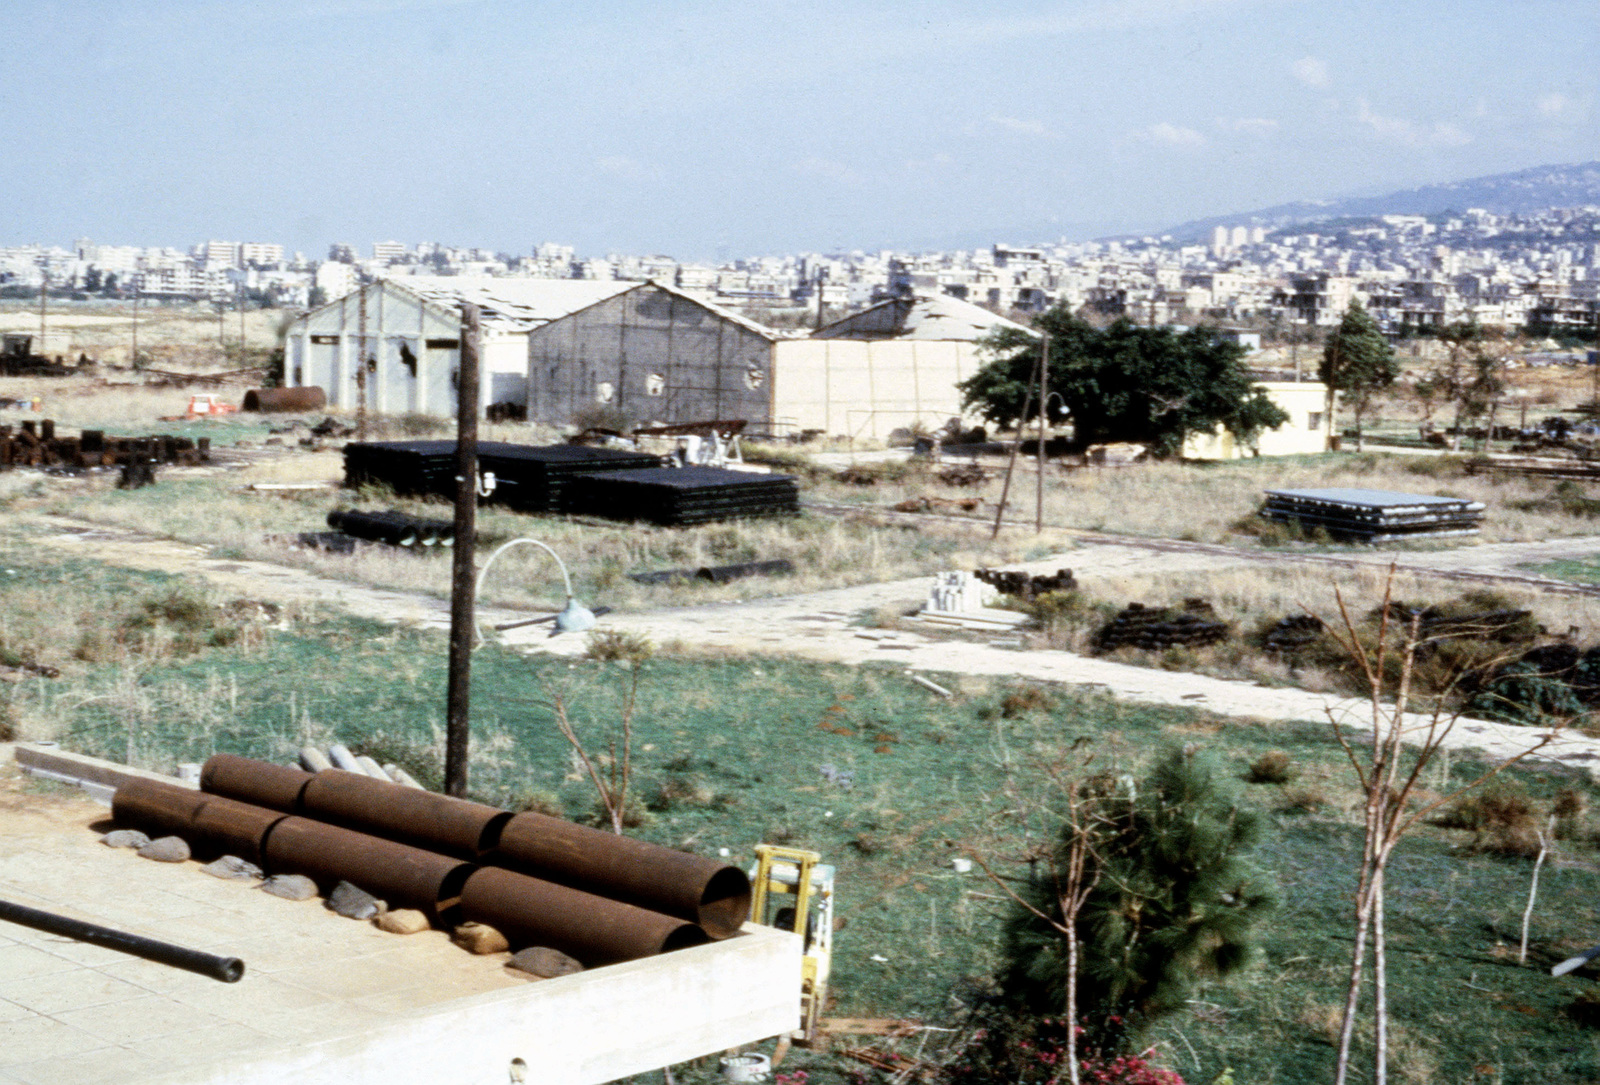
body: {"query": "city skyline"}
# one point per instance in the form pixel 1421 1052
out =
pixel 719 130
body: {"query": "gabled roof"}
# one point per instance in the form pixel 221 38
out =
pixel 923 316
pixel 520 303
pixel 770 334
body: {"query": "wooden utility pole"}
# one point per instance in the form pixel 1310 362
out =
pixel 1011 464
pixel 462 571
pixel 1044 411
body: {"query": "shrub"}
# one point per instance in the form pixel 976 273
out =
pixel 610 645
pixel 540 802
pixel 1177 902
pixel 1273 767
pixel 1024 701
pixel 1501 816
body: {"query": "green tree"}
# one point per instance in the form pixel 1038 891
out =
pixel 1357 362
pixel 1124 382
pixel 1173 900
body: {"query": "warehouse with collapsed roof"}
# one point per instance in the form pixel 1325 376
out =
pixel 656 354
pixel 406 333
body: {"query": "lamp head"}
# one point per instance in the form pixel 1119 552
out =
pixel 575 618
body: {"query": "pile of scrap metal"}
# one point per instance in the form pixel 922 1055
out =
pixel 35 444
pixel 1024 585
pixel 538 880
pixel 1139 626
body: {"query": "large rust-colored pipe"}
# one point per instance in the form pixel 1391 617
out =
pixel 597 931
pixel 211 825
pixel 713 894
pixel 404 876
pixel 277 787
pixel 308 397
pixel 419 818
pixel 705 891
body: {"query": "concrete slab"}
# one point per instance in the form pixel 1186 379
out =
pixel 326 999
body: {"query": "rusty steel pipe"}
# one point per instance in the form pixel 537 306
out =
pixel 262 783
pixel 403 876
pixel 211 825
pixel 597 931
pixel 422 819
pixel 705 891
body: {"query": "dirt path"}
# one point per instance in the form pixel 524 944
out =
pixel 824 626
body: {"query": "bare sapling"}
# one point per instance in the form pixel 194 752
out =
pixel 1389 780
pixel 1546 836
pixel 611 774
pixel 1074 867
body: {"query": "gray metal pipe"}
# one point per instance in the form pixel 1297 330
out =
pixel 226 969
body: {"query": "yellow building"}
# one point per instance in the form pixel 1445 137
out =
pixel 1306 404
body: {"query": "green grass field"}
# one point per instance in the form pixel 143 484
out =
pixel 734 751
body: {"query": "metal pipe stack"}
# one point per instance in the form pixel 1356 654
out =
pixel 539 880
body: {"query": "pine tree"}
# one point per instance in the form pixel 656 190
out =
pixel 1358 362
pixel 1177 901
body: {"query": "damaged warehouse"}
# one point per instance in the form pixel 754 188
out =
pixel 655 354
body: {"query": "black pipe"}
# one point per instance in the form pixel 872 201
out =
pixel 226 969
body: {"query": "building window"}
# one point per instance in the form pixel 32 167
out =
pixel 1314 421
pixel 603 391
pixel 753 377
pixel 655 383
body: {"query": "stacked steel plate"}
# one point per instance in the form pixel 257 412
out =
pixel 527 478
pixel 540 881
pixel 406 467
pixel 683 495
pixel 1374 515
pixel 536 479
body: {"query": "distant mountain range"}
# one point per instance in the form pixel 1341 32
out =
pixel 1502 193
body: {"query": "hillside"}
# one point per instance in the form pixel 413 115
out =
pixel 1503 193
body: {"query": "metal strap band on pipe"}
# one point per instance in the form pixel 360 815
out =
pixel 226 969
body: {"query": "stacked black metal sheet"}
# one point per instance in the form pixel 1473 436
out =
pixel 1374 515
pixel 527 478
pixel 407 467
pixel 683 495
pixel 534 479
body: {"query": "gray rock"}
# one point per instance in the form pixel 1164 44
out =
pixel 353 902
pixel 544 962
pixel 290 886
pixel 233 869
pixel 168 849
pixel 125 838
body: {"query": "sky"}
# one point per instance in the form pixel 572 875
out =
pixel 717 130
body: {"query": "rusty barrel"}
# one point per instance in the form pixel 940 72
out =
pixel 597 931
pixel 211 825
pixel 276 787
pixel 308 397
pixel 409 815
pixel 705 891
pixel 401 875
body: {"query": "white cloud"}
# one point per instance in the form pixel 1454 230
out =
pixel 1019 126
pixel 1554 104
pixel 1311 71
pixel 1250 126
pixel 826 167
pixel 1400 130
pixel 1173 135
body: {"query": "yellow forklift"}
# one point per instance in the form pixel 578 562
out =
pixel 792 889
